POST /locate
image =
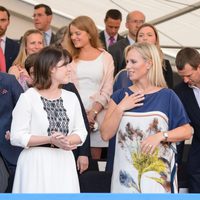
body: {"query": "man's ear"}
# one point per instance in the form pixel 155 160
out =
pixel 49 19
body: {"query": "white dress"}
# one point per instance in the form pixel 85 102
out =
pixel 45 169
pixel 90 75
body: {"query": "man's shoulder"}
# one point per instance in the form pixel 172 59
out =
pixel 121 44
pixel 119 37
pixel 101 33
pixel 12 41
pixel 182 89
pixel 181 86
pixel 6 76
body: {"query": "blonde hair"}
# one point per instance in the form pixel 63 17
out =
pixel 149 52
pixel 22 55
pixel 84 23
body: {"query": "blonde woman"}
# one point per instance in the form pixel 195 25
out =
pixel 92 73
pixel 145 160
pixel 31 42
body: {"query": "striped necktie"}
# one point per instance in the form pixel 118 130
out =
pixel 46 39
pixel 2 59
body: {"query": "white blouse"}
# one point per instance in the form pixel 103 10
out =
pixel 30 118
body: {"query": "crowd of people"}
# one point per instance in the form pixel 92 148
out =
pixel 66 96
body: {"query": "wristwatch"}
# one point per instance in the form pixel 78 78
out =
pixel 165 135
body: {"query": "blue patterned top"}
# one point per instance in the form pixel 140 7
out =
pixel 165 101
pixel 134 171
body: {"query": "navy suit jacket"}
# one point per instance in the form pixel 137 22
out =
pixel 103 39
pixel 189 101
pixel 11 51
pixel 10 91
pixel 117 52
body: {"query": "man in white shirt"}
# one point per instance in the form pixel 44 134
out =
pixel 112 22
pixel 188 65
pixel 10 47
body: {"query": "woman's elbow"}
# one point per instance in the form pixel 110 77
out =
pixel 104 135
pixel 13 140
pixel 189 132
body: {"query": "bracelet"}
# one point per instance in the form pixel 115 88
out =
pixel 95 112
pixel 50 139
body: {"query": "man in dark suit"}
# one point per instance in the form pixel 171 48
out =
pixel 112 22
pixel 9 47
pixel 10 91
pixel 133 21
pixel 188 65
pixel 42 18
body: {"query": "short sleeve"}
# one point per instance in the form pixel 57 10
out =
pixel 119 95
pixel 177 113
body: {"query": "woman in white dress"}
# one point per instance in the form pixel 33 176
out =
pixel 92 73
pixel 48 123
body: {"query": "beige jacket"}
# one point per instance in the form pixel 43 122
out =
pixel 106 87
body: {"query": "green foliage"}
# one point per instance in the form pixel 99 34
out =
pixel 148 162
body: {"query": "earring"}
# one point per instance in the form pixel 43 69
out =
pixel 149 66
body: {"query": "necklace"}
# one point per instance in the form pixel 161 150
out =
pixel 147 90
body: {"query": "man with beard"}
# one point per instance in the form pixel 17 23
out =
pixel 9 46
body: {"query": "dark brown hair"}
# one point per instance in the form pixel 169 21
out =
pixel 47 9
pixel 113 14
pixel 3 9
pixel 30 61
pixel 46 60
pixel 189 56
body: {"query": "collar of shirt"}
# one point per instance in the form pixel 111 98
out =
pixel 3 43
pixel 196 91
pixel 107 37
pixel 131 41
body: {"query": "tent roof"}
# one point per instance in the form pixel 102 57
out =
pixel 178 23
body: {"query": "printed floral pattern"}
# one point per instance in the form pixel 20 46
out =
pixel 142 168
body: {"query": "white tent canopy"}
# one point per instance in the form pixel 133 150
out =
pixel 177 21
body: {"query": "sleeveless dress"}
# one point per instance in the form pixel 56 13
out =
pixel 89 75
pixel 135 172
